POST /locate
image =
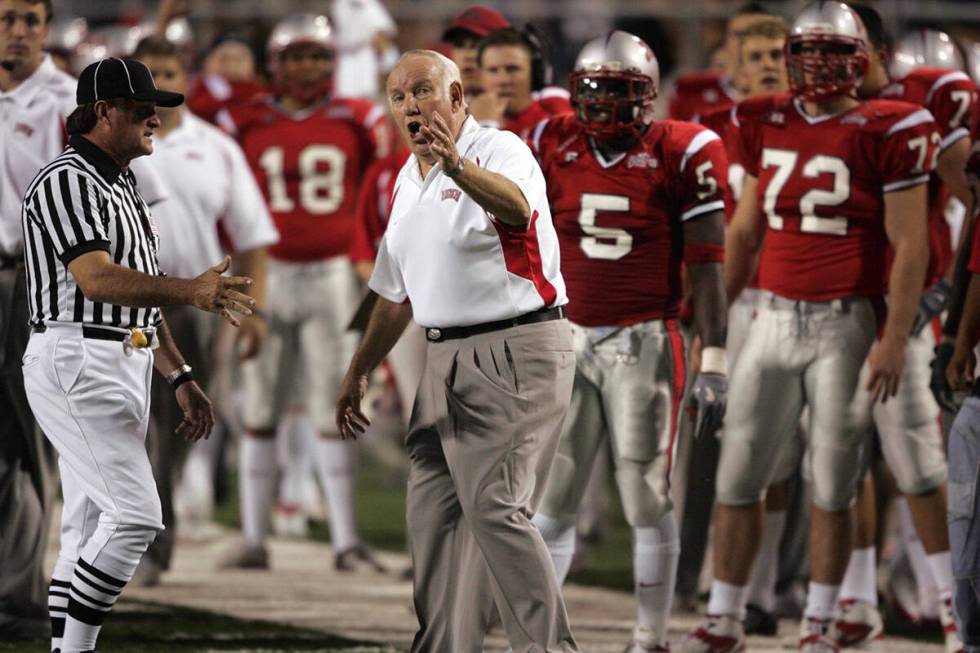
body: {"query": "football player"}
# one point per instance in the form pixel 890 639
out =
pixel 633 199
pixel 308 150
pixel 830 183
pixel 516 74
pixel 909 427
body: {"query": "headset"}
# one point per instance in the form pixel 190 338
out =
pixel 542 72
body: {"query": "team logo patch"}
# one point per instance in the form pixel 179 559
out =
pixel 195 156
pixel 26 130
pixel 451 194
pixel 642 160
pixel 710 95
pixel 570 156
pixel 777 118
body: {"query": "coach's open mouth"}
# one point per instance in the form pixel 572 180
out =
pixel 415 131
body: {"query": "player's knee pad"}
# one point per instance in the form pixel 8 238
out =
pixel 739 482
pixel 835 476
pixel 644 493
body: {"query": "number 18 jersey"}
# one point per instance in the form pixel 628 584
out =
pixel 619 221
pixel 308 166
pixel 822 182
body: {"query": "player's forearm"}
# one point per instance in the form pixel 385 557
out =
pixel 968 334
pixel 961 280
pixel 115 284
pixel 951 168
pixel 905 286
pixel 497 195
pixel 710 306
pixel 385 326
pixel 252 264
pixel 167 356
pixel 741 254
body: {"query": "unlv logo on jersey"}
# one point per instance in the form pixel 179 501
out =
pixel 642 160
pixel 451 194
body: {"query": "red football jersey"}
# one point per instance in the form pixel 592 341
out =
pixel 619 221
pixel 542 108
pixel 821 187
pixel 951 98
pixel 309 166
pixel 374 205
pixel 212 93
pixel 700 93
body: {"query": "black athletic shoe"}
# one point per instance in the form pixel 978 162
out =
pixel 759 622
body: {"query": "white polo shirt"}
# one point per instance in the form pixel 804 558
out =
pixel 456 263
pixel 32 133
pixel 208 183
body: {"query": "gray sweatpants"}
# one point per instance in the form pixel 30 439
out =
pixel 483 434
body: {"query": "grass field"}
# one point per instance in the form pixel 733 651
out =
pixel 142 627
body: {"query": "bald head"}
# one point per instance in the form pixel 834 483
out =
pixel 422 83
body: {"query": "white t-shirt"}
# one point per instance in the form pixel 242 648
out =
pixel 458 265
pixel 208 182
pixel 358 66
pixel 32 134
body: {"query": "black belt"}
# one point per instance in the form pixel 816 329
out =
pixel 438 334
pixel 96 332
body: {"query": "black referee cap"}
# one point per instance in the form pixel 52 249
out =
pixel 114 78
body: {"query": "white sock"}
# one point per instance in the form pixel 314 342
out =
pixel 257 469
pixel 860 578
pixel 821 600
pixel 655 554
pixel 762 582
pixel 297 435
pixel 941 565
pixel 727 599
pixel 559 536
pixel 336 461
pixel 914 550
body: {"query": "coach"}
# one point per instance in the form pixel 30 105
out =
pixel 35 99
pixel 471 246
pixel 94 291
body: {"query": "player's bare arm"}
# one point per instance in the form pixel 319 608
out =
pixel 495 193
pixel 905 224
pixel 962 367
pixel 251 333
pixel 102 280
pixel 385 326
pixel 743 240
pixel 951 168
pixel 198 412
pixel 710 307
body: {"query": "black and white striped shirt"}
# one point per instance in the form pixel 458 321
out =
pixel 79 203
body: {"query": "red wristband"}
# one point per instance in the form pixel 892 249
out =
pixel 703 253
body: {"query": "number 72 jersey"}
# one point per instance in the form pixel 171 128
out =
pixel 619 221
pixel 822 186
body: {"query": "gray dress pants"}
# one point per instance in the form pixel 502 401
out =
pixel 484 431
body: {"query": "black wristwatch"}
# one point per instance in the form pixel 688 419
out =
pixel 180 376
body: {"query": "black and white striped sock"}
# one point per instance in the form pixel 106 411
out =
pixel 92 594
pixel 58 610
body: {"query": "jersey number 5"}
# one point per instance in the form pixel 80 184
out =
pixel 615 243
pixel 320 190
pixel 784 161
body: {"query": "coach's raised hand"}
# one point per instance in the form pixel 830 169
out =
pixel 217 294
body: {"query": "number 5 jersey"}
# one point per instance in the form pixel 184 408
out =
pixel 822 185
pixel 619 220
pixel 308 165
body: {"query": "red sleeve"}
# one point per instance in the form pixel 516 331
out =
pixel 909 150
pixel 704 175
pixel 974 264
pixel 362 244
pixel 953 104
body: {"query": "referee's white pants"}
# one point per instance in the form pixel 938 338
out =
pixel 93 402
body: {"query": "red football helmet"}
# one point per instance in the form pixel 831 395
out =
pixel 614 86
pixel 296 30
pixel 826 51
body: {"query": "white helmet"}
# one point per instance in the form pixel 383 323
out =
pixel 925 48
pixel 614 85
pixel 826 51
pixel 300 28
pixel 973 61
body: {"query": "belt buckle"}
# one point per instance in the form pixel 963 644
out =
pixel 433 335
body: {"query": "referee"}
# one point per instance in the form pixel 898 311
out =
pixel 94 289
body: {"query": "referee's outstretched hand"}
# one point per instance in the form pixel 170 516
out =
pixel 351 421
pixel 216 294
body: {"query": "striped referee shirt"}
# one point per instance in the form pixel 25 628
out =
pixel 79 203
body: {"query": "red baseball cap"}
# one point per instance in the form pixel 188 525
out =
pixel 478 21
